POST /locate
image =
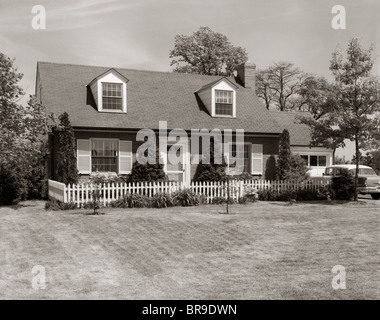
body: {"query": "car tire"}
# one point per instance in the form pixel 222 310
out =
pixel 375 196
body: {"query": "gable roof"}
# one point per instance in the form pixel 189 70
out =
pixel 111 70
pixel 152 96
pixel 299 134
pixel 211 84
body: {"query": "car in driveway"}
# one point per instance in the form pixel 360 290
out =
pixel 368 183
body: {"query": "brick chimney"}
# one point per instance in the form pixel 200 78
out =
pixel 246 72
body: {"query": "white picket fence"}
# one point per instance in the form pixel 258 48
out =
pixel 82 193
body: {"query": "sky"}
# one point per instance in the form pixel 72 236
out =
pixel 139 34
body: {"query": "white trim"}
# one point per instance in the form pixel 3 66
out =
pixel 130 155
pixel 84 155
pixel 227 153
pixel 253 157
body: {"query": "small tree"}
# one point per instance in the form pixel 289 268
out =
pixel 66 169
pixel 283 162
pixel 148 172
pixel 297 168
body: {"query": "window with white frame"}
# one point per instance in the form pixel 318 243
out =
pixel 314 160
pixel 223 103
pixel 104 155
pixel 241 154
pixel 112 96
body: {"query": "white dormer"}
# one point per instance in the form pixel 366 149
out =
pixel 219 98
pixel 110 92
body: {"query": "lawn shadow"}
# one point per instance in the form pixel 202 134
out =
pixel 93 214
pixel 320 202
pixel 19 206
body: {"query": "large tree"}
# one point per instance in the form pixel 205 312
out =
pixel 21 128
pixel 357 98
pixel 278 86
pixel 206 52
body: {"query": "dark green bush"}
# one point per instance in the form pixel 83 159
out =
pixel 343 186
pixel 55 205
pixel 13 186
pixel 161 200
pixel 298 195
pixel 185 198
pixel 135 200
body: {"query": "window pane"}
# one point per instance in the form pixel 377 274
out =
pixel 322 161
pixel 223 109
pixel 245 155
pixel 111 89
pixel 313 160
pixel 112 103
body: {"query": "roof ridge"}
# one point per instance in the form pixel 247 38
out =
pixel 131 69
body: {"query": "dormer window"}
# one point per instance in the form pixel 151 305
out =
pixel 219 98
pixel 110 92
pixel 112 96
pixel 223 103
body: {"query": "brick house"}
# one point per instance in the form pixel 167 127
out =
pixel 107 107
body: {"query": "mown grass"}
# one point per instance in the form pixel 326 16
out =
pixel 265 250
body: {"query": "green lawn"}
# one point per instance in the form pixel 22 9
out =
pixel 265 250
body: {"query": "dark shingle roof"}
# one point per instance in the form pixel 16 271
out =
pixel 151 96
pixel 300 134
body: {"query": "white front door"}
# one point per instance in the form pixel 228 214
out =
pixel 177 172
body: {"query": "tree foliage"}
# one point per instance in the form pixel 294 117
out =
pixel 211 171
pixel 22 128
pixel 357 99
pixel 206 52
pixel 66 167
pixel 278 86
pixel 283 161
pixel 148 172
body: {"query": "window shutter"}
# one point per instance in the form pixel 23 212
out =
pixel 84 156
pixel 125 157
pixel 257 159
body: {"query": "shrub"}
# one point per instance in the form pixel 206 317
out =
pixel 298 195
pixel 211 171
pixel 53 205
pixel 343 186
pixel 135 200
pixel 162 200
pixel 69 206
pixel 148 172
pixel 13 186
pixel 250 193
pixel 243 200
pixel 185 198
pixel 66 167
pixel 283 161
